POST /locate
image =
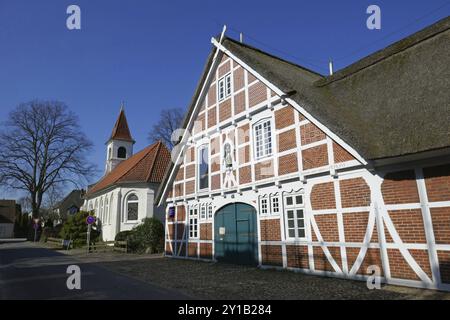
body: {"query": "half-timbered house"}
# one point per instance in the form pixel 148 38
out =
pixel 280 166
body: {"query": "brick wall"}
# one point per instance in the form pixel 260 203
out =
pixel 180 174
pixel 243 134
pixel 437 181
pixel 206 251
pixel 238 78
pixel 179 189
pixel 212 95
pixel 322 196
pixel 340 154
pixel 192 249
pixel 400 187
pixel 190 171
pixel 297 257
pixel 215 164
pixel 181 249
pixel 287 140
pixel 409 226
pixel 257 93
pixel 271 255
pixel 400 268
pixel 212 117
pixel 225 110
pixel 270 230
pixel 251 78
pixel 199 124
pixel 328 228
pixel 215 145
pixel 239 102
pixel 190 187
pixel 181 213
pixel 205 231
pixel 321 261
pixel 444 265
pixel 171 231
pixel 354 193
pixel 190 155
pixel 441 224
pixel 245 175
pixel 287 164
pixel 244 154
pixel 309 133
pixel 315 157
pixel 225 68
pixel 372 257
pixel 264 170
pixel 215 181
pixel 284 117
pixel 355 227
pixel 180 231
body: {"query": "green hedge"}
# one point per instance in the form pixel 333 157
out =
pixel 147 237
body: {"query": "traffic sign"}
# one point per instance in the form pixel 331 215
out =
pixel 90 219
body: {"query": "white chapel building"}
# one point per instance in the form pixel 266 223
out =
pixel 124 196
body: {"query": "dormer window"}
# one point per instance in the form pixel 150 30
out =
pixel 224 87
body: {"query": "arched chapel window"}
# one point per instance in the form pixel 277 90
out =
pixel 132 207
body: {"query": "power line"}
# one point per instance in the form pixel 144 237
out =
pixel 352 53
pixel 308 61
pixel 313 61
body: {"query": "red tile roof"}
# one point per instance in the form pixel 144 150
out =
pixel 148 165
pixel 121 130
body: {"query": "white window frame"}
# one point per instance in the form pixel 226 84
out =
pixel 264 202
pixel 210 211
pixel 226 83
pixel 127 201
pixel 272 206
pixel 203 211
pixel 295 207
pixel 267 146
pixel 193 222
pixel 199 152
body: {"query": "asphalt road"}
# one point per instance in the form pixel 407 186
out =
pixel 31 272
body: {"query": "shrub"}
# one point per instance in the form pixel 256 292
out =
pixel 147 237
pixel 50 232
pixel 75 229
pixel 123 235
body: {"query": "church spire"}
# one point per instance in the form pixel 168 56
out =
pixel 121 130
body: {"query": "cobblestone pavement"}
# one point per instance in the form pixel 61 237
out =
pixel 203 280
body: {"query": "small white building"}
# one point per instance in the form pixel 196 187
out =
pixel 124 196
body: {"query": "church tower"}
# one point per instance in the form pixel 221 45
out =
pixel 119 147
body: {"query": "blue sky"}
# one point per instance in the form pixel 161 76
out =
pixel 151 53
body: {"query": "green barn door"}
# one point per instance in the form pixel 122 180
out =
pixel 235 234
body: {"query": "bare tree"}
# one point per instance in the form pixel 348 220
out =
pixel 42 147
pixel 25 204
pixel 170 120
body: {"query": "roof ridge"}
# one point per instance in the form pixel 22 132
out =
pixel 271 55
pixel 152 166
pixel 142 154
